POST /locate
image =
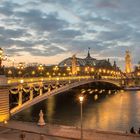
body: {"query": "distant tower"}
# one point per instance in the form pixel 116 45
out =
pixel 74 66
pixel 88 55
pixel 128 63
pixel 115 65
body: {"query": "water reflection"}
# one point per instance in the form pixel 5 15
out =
pixel 50 106
pixel 138 105
pixel 117 112
pixel 104 114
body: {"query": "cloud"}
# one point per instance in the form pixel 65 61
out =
pixel 40 21
pixel 11 33
pixel 52 27
pixel 108 4
pixel 68 33
pixel 61 2
pixel 7 8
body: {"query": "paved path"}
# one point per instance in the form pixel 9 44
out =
pixel 13 130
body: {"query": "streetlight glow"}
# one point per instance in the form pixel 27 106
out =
pixel 81 98
pixel 21 81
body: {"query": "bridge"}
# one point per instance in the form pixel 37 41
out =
pixel 29 91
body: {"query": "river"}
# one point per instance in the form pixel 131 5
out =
pixel 118 112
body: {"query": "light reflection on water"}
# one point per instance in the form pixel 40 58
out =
pixel 118 112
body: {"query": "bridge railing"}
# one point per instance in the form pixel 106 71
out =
pixel 45 79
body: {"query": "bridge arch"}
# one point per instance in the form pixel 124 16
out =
pixel 57 91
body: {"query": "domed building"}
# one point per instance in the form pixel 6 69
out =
pixel 88 61
pixel 89 65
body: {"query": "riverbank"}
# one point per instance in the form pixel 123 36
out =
pixel 13 130
pixel 137 88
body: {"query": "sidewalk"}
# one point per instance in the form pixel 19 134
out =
pixel 12 131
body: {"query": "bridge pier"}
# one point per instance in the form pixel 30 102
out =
pixel 20 98
pixel 4 99
pixel 4 104
pixel 31 93
pixel 40 91
pixel 40 88
pixel 49 88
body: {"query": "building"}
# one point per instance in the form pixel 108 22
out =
pixel 128 63
pixel 89 65
pixel 70 66
pixel 137 70
pixel 88 62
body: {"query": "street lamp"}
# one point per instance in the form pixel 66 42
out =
pixel 40 68
pixel 33 72
pixel 1 55
pixel 55 69
pixel 81 99
pixel 20 68
pixel 9 73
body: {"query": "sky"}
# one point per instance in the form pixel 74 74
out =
pixel 48 31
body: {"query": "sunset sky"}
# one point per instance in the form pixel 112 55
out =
pixel 48 31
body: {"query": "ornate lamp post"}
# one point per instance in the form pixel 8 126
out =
pixel 55 69
pixel 9 73
pixel 1 56
pixel 81 99
pixel 68 70
pixel 40 68
pixel 33 73
pixel 20 68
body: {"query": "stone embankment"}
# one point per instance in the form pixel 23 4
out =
pixel 14 130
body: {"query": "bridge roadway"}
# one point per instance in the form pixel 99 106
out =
pixel 16 81
pixel 65 87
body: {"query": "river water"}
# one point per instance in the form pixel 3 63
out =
pixel 118 112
